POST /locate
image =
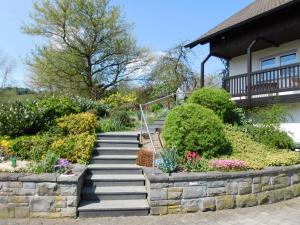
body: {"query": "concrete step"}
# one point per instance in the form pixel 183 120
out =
pixel 116 151
pixel 118 136
pixel 114 208
pixel 105 180
pixel 114 193
pixel 114 169
pixel 118 143
pixel 158 122
pixel 114 159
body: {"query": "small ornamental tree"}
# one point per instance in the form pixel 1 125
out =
pixel 217 100
pixel 192 127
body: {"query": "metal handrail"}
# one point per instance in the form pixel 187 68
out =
pixel 144 120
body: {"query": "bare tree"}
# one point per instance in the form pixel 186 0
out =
pixel 7 66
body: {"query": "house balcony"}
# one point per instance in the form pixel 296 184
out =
pixel 275 85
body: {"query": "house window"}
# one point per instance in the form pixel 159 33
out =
pixel 268 63
pixel 288 59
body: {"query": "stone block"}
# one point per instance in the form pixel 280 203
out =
pixel 265 180
pixel 29 185
pixel 295 179
pixel 216 191
pixel 159 194
pixel 174 193
pixel 164 202
pixel 296 190
pixel 193 192
pixel 3 199
pixel 174 209
pixel 69 212
pixel 42 204
pixel 288 193
pixel 207 204
pixel 231 188
pixel 190 205
pixel 159 210
pixel 280 180
pixel 22 212
pixel 181 184
pixel 244 188
pixel 68 190
pixel 215 184
pixel 26 192
pixel 256 180
pixel 225 202
pixel 246 200
pixel 263 198
pixel 18 199
pixel 46 189
pixel 3 184
pixel 277 195
pixel 50 215
pixel 159 185
pixel 15 184
pixel 72 201
pixel 256 188
pixel 6 211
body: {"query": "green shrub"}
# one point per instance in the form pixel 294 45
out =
pixel 217 100
pixel 76 148
pixel 77 123
pixel 31 147
pixel 257 155
pixel 122 116
pixel 270 136
pixel 46 165
pixel 192 127
pixel 168 160
pixel 156 107
pixel 109 125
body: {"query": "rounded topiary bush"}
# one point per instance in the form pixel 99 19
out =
pixel 192 127
pixel 219 101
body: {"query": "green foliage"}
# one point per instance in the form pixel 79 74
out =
pixel 76 148
pixel 46 165
pixel 196 165
pixel 77 123
pixel 31 147
pixel 265 127
pixel 156 107
pixel 270 136
pixel 257 155
pixel 98 48
pixel 122 116
pixel 168 160
pixel 217 100
pixel 109 125
pixel 191 127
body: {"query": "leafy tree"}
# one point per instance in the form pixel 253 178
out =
pixel 171 72
pixel 89 44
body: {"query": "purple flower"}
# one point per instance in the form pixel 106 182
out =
pixel 63 163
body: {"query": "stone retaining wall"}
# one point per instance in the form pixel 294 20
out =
pixel 45 195
pixel 191 192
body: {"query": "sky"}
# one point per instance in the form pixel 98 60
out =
pixel 158 25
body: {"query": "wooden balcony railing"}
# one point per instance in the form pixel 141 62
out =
pixel 269 81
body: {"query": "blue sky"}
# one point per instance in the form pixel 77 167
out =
pixel 158 25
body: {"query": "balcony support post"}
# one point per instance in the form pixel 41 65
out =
pixel 202 70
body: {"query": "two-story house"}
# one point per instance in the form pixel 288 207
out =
pixel 262 45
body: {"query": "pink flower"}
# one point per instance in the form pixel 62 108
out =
pixel 192 155
pixel 228 164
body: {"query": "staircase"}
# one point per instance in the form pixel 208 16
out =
pixel 114 185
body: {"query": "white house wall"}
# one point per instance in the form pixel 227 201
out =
pixel 238 65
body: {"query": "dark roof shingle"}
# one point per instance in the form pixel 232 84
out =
pixel 253 10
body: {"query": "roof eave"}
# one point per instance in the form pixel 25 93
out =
pixel 206 39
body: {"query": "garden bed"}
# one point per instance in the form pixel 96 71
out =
pixel 191 192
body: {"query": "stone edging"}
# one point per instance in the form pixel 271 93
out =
pixel 48 195
pixel 189 192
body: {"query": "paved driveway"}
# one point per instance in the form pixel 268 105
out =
pixel 284 213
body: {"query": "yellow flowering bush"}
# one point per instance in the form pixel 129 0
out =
pixel 78 123
pixel 117 99
pixel 256 155
pixel 5 146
